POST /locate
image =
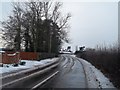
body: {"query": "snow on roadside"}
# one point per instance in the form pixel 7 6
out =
pixel 95 77
pixel 29 64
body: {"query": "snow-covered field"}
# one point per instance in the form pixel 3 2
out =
pixel 29 64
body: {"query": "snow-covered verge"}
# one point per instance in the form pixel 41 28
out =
pixel 29 64
pixel 95 77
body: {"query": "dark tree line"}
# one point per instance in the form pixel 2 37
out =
pixel 36 26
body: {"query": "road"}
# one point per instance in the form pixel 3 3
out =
pixel 68 74
pixel 71 74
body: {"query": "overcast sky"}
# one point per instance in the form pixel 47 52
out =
pixel 92 23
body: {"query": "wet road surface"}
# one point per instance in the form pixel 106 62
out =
pixel 68 74
pixel 71 74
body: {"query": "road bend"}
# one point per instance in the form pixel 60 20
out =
pixel 68 73
pixel 71 75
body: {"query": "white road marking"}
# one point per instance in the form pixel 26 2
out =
pixel 29 76
pixel 21 72
pixel 39 84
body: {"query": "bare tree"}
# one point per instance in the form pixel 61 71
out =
pixel 36 26
pixel 12 28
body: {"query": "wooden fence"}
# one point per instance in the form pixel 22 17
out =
pixel 0 57
pixel 13 57
pixel 10 58
pixel 29 56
